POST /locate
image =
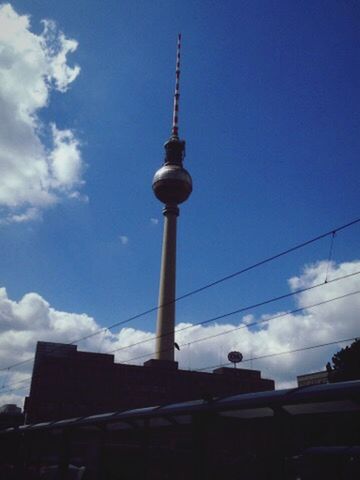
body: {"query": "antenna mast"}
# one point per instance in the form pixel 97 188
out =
pixel 175 123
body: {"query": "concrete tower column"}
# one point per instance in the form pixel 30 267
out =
pixel 166 312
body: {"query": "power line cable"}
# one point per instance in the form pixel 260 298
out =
pixel 241 310
pixel 200 289
pixel 330 255
pixel 223 279
pixel 269 355
pixel 228 314
pixel 269 319
pixel 25 380
pixel 249 325
pixel 275 354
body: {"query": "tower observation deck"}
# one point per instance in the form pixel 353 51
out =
pixel 172 185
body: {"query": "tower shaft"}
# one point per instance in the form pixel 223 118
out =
pixel 166 312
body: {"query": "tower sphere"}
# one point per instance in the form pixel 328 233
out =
pixel 172 184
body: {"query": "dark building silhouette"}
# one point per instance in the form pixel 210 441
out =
pixel 315 378
pixel 68 383
pixel 10 416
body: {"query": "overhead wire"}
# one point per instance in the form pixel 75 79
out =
pixel 331 248
pixel 200 289
pixel 269 319
pixel 239 310
pixel 275 354
pixel 261 357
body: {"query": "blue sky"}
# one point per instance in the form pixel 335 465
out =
pixel 269 111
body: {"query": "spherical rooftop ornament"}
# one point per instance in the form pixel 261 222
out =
pixel 172 184
pixel 235 357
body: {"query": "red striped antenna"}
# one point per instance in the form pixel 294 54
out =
pixel 175 123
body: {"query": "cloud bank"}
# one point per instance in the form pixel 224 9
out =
pixel 24 322
pixel 40 164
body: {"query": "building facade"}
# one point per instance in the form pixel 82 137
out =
pixel 69 383
pixel 315 378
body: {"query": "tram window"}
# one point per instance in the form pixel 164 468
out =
pixel 249 413
pixel 322 407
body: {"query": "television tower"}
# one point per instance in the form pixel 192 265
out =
pixel 172 185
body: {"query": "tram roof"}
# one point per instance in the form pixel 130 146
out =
pixel 314 399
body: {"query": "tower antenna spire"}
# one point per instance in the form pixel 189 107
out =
pixel 175 122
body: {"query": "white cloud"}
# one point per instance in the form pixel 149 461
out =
pixel 39 164
pixel 124 239
pixel 79 197
pixel 154 221
pixel 24 322
pixel 26 215
pixel 65 160
pixel 58 47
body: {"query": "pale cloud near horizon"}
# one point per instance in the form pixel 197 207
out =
pixel 40 164
pixel 154 221
pixel 32 318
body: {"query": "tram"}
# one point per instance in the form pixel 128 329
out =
pixel 302 433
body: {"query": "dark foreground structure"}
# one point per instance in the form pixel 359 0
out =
pixel 315 378
pixel 68 383
pixel 10 416
pixel 302 433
